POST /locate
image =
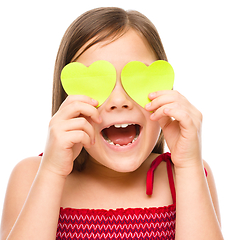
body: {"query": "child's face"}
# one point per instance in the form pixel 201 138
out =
pixel 138 139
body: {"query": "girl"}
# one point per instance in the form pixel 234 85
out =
pixel 82 187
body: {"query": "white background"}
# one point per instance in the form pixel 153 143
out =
pixel 199 38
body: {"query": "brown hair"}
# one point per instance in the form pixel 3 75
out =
pixel 95 26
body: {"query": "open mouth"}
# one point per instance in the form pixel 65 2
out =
pixel 121 134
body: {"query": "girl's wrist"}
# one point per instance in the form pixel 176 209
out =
pixel 48 172
pixel 189 170
pixel 187 161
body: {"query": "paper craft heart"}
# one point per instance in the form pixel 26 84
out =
pixel 139 80
pixel 96 81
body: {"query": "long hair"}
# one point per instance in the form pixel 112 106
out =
pixel 95 26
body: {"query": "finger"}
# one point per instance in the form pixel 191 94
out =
pixel 197 116
pixel 154 95
pixel 78 124
pixel 160 101
pixel 167 97
pixel 160 116
pixel 77 137
pixel 163 97
pixel 76 109
pixel 174 110
pixel 183 117
pixel 80 98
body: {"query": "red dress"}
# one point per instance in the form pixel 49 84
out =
pixel 132 223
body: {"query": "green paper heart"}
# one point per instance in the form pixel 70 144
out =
pixel 96 81
pixel 139 80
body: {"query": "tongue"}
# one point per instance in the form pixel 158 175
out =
pixel 121 136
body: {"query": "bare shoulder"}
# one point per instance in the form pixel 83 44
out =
pixel 28 165
pixel 212 189
pixel 22 178
pixel 23 175
pixel 19 185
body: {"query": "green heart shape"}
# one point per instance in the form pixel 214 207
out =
pixel 139 80
pixel 96 81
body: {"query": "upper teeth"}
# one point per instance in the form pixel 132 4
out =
pixel 122 125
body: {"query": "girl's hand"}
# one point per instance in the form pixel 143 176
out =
pixel 181 124
pixel 69 131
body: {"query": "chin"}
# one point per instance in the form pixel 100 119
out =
pixel 121 162
pixel 124 166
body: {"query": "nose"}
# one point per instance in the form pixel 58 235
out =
pixel 119 99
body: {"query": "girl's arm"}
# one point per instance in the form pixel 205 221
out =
pixel 34 193
pixel 197 209
pixel 197 213
pixel 31 212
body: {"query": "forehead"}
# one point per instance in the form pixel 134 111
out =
pixel 131 46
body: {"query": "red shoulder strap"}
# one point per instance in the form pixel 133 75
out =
pixel 170 176
pixel 150 174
